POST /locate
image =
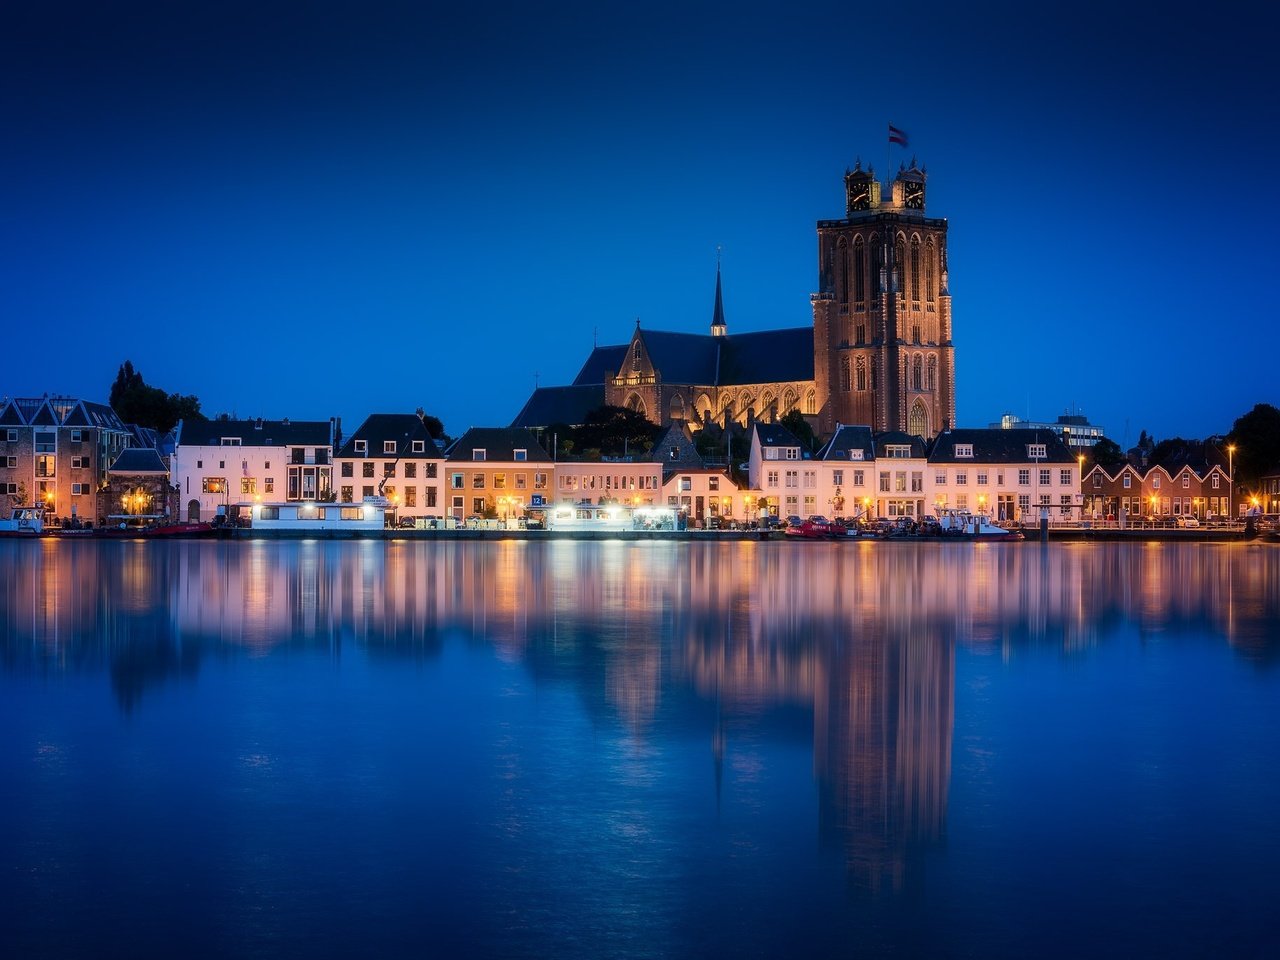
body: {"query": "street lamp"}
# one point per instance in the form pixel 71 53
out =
pixel 1231 481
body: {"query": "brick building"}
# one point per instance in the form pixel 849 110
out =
pixel 55 451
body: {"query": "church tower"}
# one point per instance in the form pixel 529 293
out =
pixel 883 353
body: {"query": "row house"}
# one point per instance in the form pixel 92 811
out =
pixel 55 452
pixel 496 471
pixel 1009 474
pixel 1157 491
pixel 1012 475
pixel 226 463
pixel 393 455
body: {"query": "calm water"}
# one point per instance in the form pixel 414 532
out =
pixel 639 750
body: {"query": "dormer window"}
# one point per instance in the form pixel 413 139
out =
pixel 1036 451
pixel 675 453
pixel 964 450
pixel 520 455
pixel 857 454
pixel 898 451
pixel 230 441
pixel 419 446
pixel 793 453
pixel 478 454
pixel 361 446
pixel 389 447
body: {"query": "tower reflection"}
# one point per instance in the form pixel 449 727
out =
pixel 862 636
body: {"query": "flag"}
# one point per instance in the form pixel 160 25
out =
pixel 897 136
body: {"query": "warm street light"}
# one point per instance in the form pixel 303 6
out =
pixel 1231 481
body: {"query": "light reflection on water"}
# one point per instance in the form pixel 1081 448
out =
pixel 618 743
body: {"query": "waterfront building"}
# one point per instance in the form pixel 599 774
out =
pixel 635 482
pixel 879 350
pixel 224 463
pixel 496 472
pixel 1189 483
pixel 1008 474
pixel 1074 428
pixel 1268 495
pixel 136 488
pixel 773 468
pixel 392 455
pixel 55 451
pixel 847 482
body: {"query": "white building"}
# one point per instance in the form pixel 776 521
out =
pixel 225 463
pixel 1011 475
pixel 393 455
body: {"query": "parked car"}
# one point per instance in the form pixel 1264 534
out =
pixel 793 521
pixel 1186 521
pixel 769 522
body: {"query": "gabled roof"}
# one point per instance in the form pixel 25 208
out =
pixel 548 405
pixel 898 438
pixel 400 428
pixel 603 362
pixel 675 450
pixel 138 460
pixel 691 358
pixel 59 412
pixel 499 444
pixel 848 438
pixel 999 446
pixel 773 435
pixel 256 433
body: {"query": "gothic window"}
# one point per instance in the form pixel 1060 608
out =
pixel 917 374
pixel 928 271
pixel 862 334
pixel 859 271
pixel 844 374
pixel 874 266
pixel 842 267
pixel 811 403
pixel 635 355
pixel 918 422
pixel 862 373
pixel 789 399
pixel 931 381
pixel 915 268
pixel 899 265
pixel 915 333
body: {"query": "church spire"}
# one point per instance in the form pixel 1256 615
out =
pixel 718 328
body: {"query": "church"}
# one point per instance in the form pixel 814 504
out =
pixel 879 352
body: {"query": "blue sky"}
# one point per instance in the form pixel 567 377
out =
pixel 323 209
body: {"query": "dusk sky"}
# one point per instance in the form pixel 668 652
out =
pixel 310 210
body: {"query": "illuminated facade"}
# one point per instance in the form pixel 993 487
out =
pixel 879 351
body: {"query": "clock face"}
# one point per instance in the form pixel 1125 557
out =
pixel 859 196
pixel 913 195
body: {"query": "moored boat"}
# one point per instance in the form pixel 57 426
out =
pixel 964 525
pixel 25 522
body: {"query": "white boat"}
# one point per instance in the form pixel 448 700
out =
pixel 25 522
pixel 309 516
pixel 962 523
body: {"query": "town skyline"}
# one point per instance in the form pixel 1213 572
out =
pixel 439 208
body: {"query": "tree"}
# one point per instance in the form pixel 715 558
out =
pixel 794 421
pixel 1256 436
pixel 1107 453
pixel 615 432
pixel 136 402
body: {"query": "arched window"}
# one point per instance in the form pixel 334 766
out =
pixel 874 266
pixel 789 399
pixel 862 373
pixel 635 355
pixel 917 373
pixel 634 402
pixel 811 403
pixel 918 422
pixel 928 270
pixel 900 265
pixel 915 268
pixel 844 374
pixel 862 334
pixel 915 333
pixel 931 382
pixel 677 407
pixel 842 271
pixel 859 271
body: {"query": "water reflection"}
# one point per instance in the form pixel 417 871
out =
pixel 861 638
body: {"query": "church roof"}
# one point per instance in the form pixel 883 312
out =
pixel 768 356
pixel 548 405
pixel 603 362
